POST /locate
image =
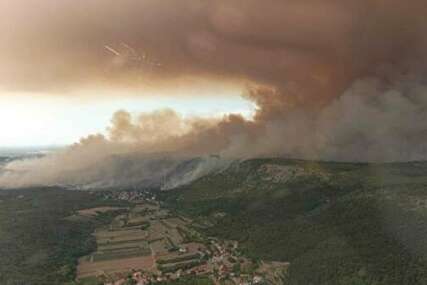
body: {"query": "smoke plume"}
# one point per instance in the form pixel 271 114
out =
pixel 332 79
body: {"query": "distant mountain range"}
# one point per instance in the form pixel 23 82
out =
pixel 26 151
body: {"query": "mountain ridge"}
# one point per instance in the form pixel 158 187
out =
pixel 336 223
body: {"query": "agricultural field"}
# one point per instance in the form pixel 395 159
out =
pixel 89 239
pixel 87 269
pixel 91 212
pixel 121 246
pixel 176 222
pixel 144 238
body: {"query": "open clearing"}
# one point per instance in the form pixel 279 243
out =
pixel 87 268
pixel 94 211
pixel 175 222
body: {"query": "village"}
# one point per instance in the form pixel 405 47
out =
pixel 147 244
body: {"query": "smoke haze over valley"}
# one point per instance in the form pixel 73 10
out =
pixel 330 80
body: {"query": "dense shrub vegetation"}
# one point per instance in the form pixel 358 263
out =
pixel 37 245
pixel 336 223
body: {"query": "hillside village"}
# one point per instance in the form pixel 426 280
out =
pixel 327 223
pixel 147 244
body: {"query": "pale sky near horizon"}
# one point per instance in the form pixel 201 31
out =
pixel 27 120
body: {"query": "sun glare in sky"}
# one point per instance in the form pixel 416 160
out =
pixel 28 120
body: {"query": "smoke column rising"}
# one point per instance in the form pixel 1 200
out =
pixel 336 80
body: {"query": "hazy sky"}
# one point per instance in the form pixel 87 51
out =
pixel 68 66
pixel 35 120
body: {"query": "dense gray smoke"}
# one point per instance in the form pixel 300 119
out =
pixel 332 79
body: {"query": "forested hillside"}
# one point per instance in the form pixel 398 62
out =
pixel 38 246
pixel 336 223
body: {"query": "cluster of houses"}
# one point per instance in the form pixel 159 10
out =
pixel 130 196
pixel 229 264
pixel 217 259
pixel 139 278
pixel 219 265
